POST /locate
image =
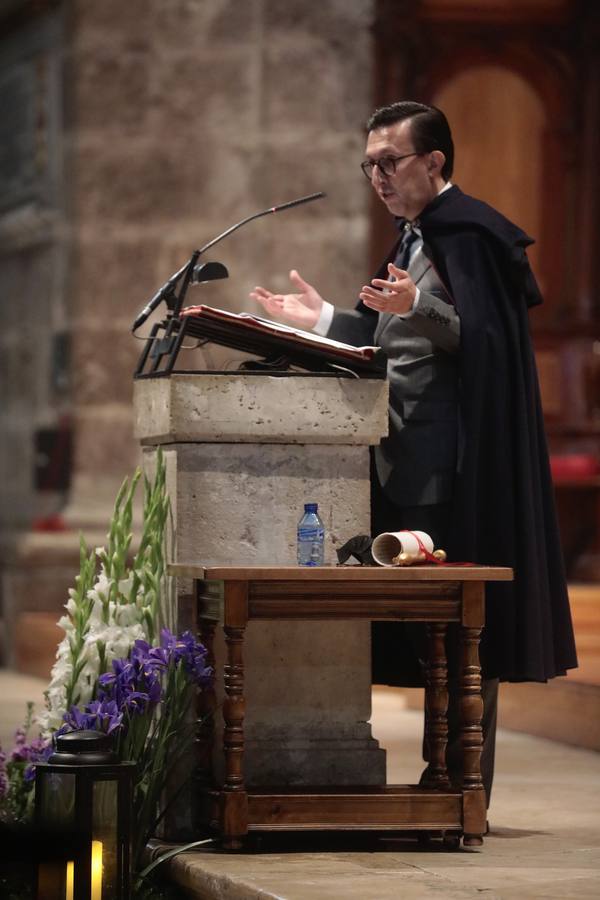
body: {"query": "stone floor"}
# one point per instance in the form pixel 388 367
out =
pixel 544 841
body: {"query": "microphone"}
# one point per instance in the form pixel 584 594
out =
pixel 169 286
pixel 297 202
pixel 208 271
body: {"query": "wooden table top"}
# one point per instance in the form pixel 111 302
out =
pixel 340 573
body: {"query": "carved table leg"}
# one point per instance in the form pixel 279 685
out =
pixel 436 706
pixel 234 821
pixel 471 713
pixel 206 705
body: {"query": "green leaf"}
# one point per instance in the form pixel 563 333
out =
pixel 170 854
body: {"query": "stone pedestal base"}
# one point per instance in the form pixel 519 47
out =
pixel 308 684
pixel 308 690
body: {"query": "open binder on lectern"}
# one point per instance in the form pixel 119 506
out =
pixel 279 347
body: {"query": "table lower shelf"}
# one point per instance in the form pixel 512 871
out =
pixel 387 807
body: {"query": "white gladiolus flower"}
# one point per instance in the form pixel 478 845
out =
pixel 50 720
pixel 89 651
pixel 97 611
pixel 63 652
pixel 62 668
pixel 85 686
pixel 97 629
pixel 55 695
pixel 120 640
pixel 124 586
pixel 127 614
pixel 102 586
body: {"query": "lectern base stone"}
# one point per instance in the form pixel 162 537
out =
pixel 237 502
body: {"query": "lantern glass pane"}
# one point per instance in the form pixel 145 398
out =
pixel 57 801
pixel 105 840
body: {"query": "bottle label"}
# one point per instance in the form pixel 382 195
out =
pixel 311 540
pixel 311 534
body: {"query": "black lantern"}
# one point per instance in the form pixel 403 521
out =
pixel 84 792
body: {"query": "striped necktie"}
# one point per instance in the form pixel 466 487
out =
pixel 409 237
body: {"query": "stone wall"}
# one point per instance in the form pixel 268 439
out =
pixel 34 387
pixel 185 117
pixel 169 120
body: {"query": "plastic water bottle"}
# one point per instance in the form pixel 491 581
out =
pixel 311 537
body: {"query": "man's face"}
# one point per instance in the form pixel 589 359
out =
pixel 412 186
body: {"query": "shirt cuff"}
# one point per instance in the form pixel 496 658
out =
pixel 325 319
pixel 413 307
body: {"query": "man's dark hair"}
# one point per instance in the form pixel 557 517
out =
pixel 428 124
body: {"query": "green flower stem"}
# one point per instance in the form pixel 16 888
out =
pixel 158 737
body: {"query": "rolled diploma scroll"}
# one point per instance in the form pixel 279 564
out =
pixel 388 546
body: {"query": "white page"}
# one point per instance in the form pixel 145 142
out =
pixel 297 332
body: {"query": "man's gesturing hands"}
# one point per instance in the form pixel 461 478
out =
pixel 302 309
pixel 394 296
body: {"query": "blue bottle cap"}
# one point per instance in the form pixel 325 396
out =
pixel 311 507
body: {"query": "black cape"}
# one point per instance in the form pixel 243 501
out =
pixel 503 501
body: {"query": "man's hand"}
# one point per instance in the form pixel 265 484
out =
pixel 394 296
pixel 302 309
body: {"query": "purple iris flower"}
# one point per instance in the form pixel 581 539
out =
pixel 155 691
pixel 99 715
pixel 136 685
pixel 187 650
pixel 158 656
pixel 107 680
pixel 37 750
pixel 20 751
pixel 137 701
pixel 40 752
pixel 108 716
pixel 3 775
pixel 149 661
pixel 76 720
pixel 19 754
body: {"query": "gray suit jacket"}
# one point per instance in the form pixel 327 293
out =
pixel 416 463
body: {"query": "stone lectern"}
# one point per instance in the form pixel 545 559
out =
pixel 243 455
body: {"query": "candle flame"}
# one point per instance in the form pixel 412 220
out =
pixel 96 870
pixel 96 874
pixel 70 880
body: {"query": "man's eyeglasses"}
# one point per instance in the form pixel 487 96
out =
pixel 386 165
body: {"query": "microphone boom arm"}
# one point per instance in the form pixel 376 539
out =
pixel 168 288
pixel 265 212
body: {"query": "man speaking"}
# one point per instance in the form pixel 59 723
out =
pixel 466 458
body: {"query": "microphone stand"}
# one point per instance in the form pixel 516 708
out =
pixel 186 271
pixel 167 291
pixel 174 329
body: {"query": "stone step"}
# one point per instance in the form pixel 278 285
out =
pixel 36 637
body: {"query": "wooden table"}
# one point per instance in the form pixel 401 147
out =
pixel 436 595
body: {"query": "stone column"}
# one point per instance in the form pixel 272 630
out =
pixel 244 453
